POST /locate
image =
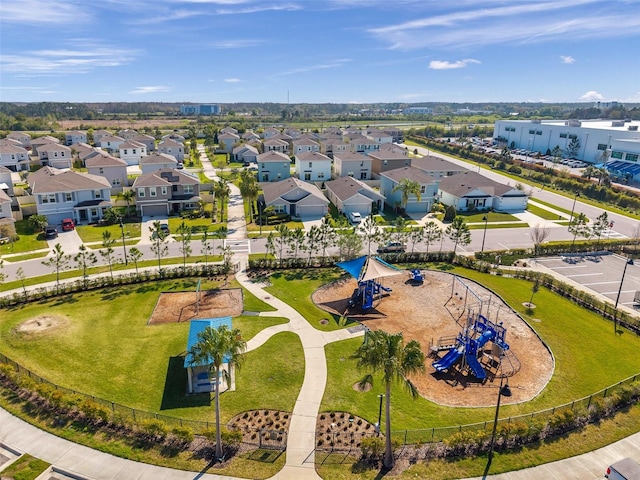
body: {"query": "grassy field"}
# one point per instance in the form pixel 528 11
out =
pixel 541 212
pixel 29 240
pixel 24 468
pixel 93 233
pixel 550 205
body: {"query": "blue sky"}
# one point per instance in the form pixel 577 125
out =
pixel 319 51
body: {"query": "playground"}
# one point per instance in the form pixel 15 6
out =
pixel 438 308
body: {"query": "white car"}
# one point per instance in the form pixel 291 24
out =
pixel 355 217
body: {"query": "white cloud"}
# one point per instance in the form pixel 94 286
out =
pixel 235 43
pixel 320 66
pixel 446 65
pixel 232 80
pixel 591 96
pixel 567 59
pixel 39 12
pixel 150 89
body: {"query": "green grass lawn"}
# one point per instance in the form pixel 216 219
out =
pixel 493 217
pixel 198 225
pixel 550 205
pixel 24 468
pixel 28 241
pixel 93 233
pixel 115 355
pixel 581 342
pixel 493 226
pixel 542 212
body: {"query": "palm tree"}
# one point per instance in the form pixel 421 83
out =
pixel 249 188
pixel 222 192
pixel 407 187
pixel 128 196
pixel 214 348
pixel 387 354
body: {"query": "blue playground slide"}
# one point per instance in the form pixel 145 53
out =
pixel 449 359
pixel 487 335
pixel 367 304
pixel 475 367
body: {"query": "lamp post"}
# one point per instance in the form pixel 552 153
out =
pixel 574 206
pixel 124 245
pixel 484 235
pixel 506 392
pixel 381 396
pixel 615 308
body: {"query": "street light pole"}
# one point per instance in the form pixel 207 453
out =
pixel 504 391
pixel 574 206
pixel 484 235
pixel 124 245
pixel 381 396
pixel 615 308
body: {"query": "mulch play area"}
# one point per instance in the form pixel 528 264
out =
pixel 438 308
pixel 175 307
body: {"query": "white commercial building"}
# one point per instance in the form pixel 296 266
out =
pixel 593 141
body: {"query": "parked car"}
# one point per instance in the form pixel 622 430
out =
pixel 392 247
pixel 355 217
pixel 68 225
pixel 180 166
pixel 50 232
pixel 625 469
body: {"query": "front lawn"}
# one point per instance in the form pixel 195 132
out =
pixel 93 233
pixel 29 240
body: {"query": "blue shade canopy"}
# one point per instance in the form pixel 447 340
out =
pixel 367 268
pixel 198 326
pixel 353 267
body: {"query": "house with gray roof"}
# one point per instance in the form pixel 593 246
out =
pixel 173 148
pixel 99 134
pixel 245 153
pixel 36 143
pixel 275 144
pixel 82 150
pixel 74 136
pixel 436 166
pixel 384 160
pixel 147 140
pixel 352 164
pixel 22 137
pixel 166 191
pixel 132 151
pixel 107 166
pixel 351 195
pixel 7 222
pixel 13 157
pixel 273 166
pixel 55 155
pixel 227 141
pixel 127 134
pixel 362 144
pixel 390 179
pixel 6 183
pixel 67 194
pixel 296 198
pixel 472 191
pixel 157 161
pixel 110 143
pixel 313 167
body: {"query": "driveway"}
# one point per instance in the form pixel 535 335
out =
pixel 146 225
pixel 69 241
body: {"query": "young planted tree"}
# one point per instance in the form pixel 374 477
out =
pixel 128 196
pixel 159 244
pixel 399 230
pixel 349 243
pixel 538 235
pixel 215 348
pixel 281 240
pixel 432 233
pixel 85 259
pixel 579 227
pixel 135 255
pixel 600 225
pixel 21 277
pixel 537 280
pixel 573 147
pixel 326 237
pixel 222 192
pixel 458 232
pixel 312 240
pixel 370 232
pixel 206 247
pixel 249 189
pixel 295 240
pixel 107 249
pixel 386 354
pixel 407 188
pixel 59 261
pixel 416 235
pixel 184 233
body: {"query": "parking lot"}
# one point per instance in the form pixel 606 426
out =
pixel 600 273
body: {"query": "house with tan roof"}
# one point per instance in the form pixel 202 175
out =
pixel 55 155
pixel 273 166
pixel 385 160
pixel 244 153
pixel 74 136
pixel 305 145
pixel 14 158
pixel 107 166
pixel 173 148
pixel 6 183
pixel 132 151
pixel 22 137
pixel 351 195
pixel 227 141
pixel 270 133
pixel 378 136
pixel 229 130
pixel 295 197
pixel 313 167
pixel 250 136
pixel 363 144
pixel 127 134
pixel 277 145
pixel 40 141
pixel 333 144
pixel 436 166
pixel 390 179
pixel 166 191
pixel 67 194
pixel 81 150
pixel 352 164
pixel 110 143
pixel 147 140
pixel 7 222
pixel 472 191
pixel 157 161
pixel 99 134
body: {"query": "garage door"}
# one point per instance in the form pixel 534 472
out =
pixel 311 210
pixel 153 210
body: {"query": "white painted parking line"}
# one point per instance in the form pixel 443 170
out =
pixel 599 283
pixel 571 266
pixel 584 275
pixel 616 291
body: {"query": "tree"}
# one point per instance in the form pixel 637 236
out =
pixel 578 226
pixel 399 230
pixel 449 214
pixel 280 241
pixel 222 192
pixel 85 258
pixel 249 189
pixel 349 243
pixel 573 147
pixel 538 235
pixel 416 235
pixel 107 251
pixel 295 239
pixel 38 222
pixel 534 288
pixel 386 354
pixel 214 348
pixel 370 232
pixel 59 261
pixel 407 187
pixel 206 248
pixel 326 237
pixel 135 255
pixel 600 225
pixel 432 233
pixel 21 276
pixel 458 232
pixel 128 196
pixel 557 154
pixel 159 243
pixel 3 275
pixel 184 237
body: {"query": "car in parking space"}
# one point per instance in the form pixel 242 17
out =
pixel 164 228
pixel 68 224
pixel 392 247
pixel 50 232
pixel 355 217
pixel 625 469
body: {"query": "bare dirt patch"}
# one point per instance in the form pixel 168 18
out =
pixel 42 324
pixel 438 308
pixel 173 307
